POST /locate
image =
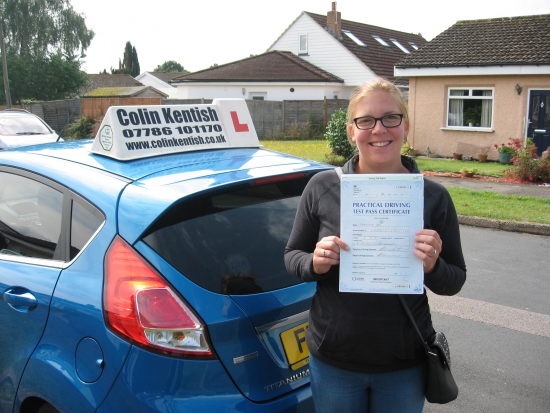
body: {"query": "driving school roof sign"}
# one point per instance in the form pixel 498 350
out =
pixel 132 132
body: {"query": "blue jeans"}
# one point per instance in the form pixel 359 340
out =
pixel 338 390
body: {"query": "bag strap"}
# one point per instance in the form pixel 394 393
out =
pixel 406 307
pixel 339 172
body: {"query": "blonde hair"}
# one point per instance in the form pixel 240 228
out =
pixel 378 84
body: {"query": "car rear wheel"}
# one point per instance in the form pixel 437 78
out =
pixel 47 408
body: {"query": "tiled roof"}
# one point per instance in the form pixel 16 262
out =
pixel 105 80
pixel 380 59
pixel 523 40
pixel 108 92
pixel 274 66
pixel 165 76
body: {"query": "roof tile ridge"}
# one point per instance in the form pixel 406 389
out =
pixel 504 18
pixel 224 65
pixel 371 26
pixel 364 24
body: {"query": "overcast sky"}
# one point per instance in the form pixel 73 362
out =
pixel 199 33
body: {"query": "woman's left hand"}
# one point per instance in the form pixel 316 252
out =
pixel 427 248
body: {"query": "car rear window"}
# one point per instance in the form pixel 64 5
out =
pixel 231 242
pixel 85 221
pixel 22 125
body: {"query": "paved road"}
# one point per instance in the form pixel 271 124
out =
pixel 498 327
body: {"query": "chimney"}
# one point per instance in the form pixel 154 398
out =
pixel 334 21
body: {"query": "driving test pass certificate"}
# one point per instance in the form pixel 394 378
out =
pixel 380 215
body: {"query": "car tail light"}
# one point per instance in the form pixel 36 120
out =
pixel 140 306
pixel 279 178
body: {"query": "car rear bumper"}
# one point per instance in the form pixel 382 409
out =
pixel 154 383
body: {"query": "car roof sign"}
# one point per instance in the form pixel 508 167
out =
pixel 133 132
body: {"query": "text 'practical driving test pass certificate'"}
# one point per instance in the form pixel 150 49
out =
pixel 380 215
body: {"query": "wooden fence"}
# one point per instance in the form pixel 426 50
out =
pixel 277 119
pixel 57 113
pixel 298 112
pixel 271 119
pixel 96 107
pixel 267 117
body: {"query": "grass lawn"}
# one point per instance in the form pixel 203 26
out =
pixel 314 150
pixel 451 165
pixel 318 150
pixel 467 202
pixel 497 206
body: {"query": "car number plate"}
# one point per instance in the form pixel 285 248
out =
pixel 294 343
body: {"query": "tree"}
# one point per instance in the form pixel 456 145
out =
pixel 129 64
pixel 135 63
pixel 40 27
pixel 53 77
pixel 128 56
pixel 43 39
pixel 171 66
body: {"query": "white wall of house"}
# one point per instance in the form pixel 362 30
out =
pixel 272 91
pixel 324 51
pixel 149 80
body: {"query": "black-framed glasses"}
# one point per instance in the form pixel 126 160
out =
pixel 389 121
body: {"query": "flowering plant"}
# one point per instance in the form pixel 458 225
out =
pixel 529 166
pixel 503 148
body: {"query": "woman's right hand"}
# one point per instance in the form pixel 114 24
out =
pixel 327 254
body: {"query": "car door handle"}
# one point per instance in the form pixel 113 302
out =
pixel 23 301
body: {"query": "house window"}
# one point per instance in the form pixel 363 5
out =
pixel 354 38
pixel 413 45
pixel 302 47
pixel 395 42
pixel 470 108
pixel 257 95
pixel 381 41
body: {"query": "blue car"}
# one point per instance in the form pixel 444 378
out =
pixel 142 271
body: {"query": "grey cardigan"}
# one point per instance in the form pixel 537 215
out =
pixel 369 332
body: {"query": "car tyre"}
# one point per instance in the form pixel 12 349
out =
pixel 47 408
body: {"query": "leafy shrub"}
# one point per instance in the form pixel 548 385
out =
pixel 313 129
pixel 30 101
pixel 528 166
pixel 335 160
pixel 407 149
pixel 84 127
pixel 337 136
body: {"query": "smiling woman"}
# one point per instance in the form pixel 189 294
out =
pixel 364 342
pixel 378 126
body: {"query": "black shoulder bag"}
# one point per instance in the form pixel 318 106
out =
pixel 440 384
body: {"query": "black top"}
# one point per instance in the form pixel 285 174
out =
pixel 362 331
